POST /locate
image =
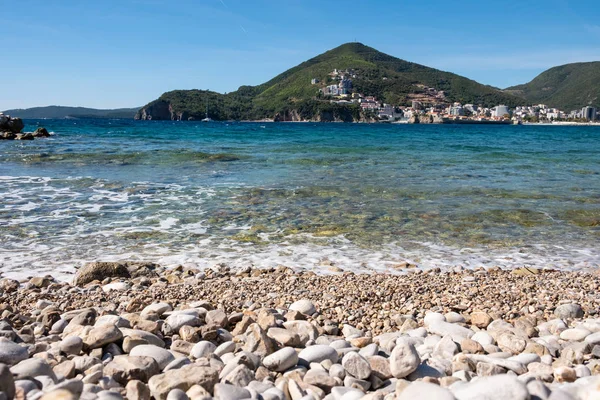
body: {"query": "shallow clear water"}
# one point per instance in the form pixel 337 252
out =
pixel 363 197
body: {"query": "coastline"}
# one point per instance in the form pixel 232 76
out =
pixel 142 330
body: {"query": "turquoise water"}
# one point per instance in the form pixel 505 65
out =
pixel 360 197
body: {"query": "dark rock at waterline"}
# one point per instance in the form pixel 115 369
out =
pixel 14 125
pixel 100 270
pixel 10 129
pixel 24 136
pixel 41 132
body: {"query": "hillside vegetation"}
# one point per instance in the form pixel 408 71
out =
pixel 567 87
pixel 291 94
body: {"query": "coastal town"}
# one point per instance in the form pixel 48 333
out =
pixel 431 106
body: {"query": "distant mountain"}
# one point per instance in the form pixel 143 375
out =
pixel 294 95
pixel 567 87
pixel 60 112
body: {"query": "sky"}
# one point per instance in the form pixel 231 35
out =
pixel 125 53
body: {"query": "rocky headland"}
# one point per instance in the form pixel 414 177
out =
pixel 11 129
pixel 138 331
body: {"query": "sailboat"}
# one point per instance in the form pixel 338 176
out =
pixel 207 119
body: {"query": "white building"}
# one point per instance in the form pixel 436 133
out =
pixel 500 111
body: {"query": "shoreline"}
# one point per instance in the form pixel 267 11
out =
pixel 136 329
pixel 401 122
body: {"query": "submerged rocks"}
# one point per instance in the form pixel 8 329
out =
pixel 99 271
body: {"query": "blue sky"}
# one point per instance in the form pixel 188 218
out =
pixel 124 53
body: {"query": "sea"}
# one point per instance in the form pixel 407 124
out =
pixel 311 196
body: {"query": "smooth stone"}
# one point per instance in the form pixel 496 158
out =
pixel 593 339
pixel 345 393
pixel 455 331
pixel 116 286
pixel 71 345
pixel 454 317
pixel 525 358
pixel 161 356
pixel 158 308
pixel 177 363
pixel 225 391
pixel 284 337
pixel 369 350
pixel 514 366
pixel 7 382
pixel 356 365
pixel 183 378
pixel 112 320
pixel 337 371
pixel 498 387
pixel 203 349
pixel 304 329
pixel 483 338
pixel 425 391
pixel 404 359
pixel 569 311
pixel 126 368
pixel 575 334
pixel 349 331
pixel 11 353
pixel 176 321
pixel 31 368
pixel 217 317
pixel 177 394
pixel 240 376
pixel 317 353
pixel 281 360
pixel 445 348
pixel 304 306
pixel 147 336
pixel 224 348
pixel 101 336
pixel 137 390
pixel 109 395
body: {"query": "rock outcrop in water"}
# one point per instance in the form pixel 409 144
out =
pixel 10 129
pixel 161 111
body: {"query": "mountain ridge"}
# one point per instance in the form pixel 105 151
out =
pixel 61 112
pixel 567 87
pixel 291 96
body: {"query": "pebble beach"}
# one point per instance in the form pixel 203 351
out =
pixel 140 331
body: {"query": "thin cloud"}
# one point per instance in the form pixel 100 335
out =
pixel 593 29
pixel 244 29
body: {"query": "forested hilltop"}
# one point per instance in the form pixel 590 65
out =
pixel 334 86
pixel 567 87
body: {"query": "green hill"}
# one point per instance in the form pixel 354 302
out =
pixel 567 87
pixel 291 96
pixel 60 112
